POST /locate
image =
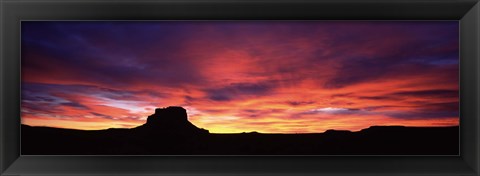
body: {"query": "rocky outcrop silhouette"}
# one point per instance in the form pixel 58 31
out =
pixel 171 120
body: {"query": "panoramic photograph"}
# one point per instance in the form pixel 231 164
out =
pixel 240 88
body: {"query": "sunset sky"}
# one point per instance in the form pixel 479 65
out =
pixel 241 76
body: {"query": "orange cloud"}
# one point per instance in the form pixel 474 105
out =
pixel 272 77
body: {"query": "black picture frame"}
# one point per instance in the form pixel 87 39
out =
pixel 14 11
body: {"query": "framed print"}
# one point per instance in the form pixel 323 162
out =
pixel 247 87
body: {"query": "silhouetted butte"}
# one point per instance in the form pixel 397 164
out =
pixel 171 120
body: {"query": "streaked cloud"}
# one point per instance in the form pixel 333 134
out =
pixel 265 76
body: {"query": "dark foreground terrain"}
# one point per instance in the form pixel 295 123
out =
pixel 168 132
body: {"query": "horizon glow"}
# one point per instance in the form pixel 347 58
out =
pixel 241 76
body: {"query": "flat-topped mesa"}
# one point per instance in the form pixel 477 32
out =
pixel 168 115
pixel 172 119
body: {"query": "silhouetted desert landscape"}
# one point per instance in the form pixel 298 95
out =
pixel 168 132
pixel 273 87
